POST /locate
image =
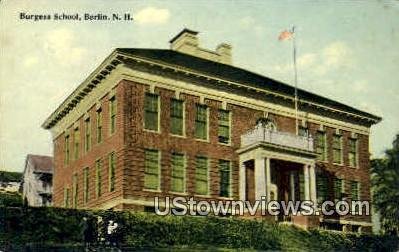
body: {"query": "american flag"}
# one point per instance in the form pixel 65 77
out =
pixel 285 35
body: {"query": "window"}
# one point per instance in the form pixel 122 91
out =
pixel 224 126
pixel 355 190
pixel 322 188
pixel 112 114
pixel 67 154
pixel 151 174
pixel 337 149
pixel 66 197
pixel 302 131
pixel 75 191
pixel 338 188
pixel 225 172
pixel 352 154
pixel 201 175
pixel 111 171
pixel 321 146
pixel 151 110
pixel 178 173
pixel 87 134
pixel 177 117
pixel 99 125
pixel 98 178
pixel 86 185
pixel 201 122
pixel 77 143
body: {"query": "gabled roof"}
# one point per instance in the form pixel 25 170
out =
pixel 40 164
pixel 239 75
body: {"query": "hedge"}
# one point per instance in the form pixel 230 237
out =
pixel 38 227
pixel 13 199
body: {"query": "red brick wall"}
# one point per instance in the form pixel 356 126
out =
pixel 63 173
pixel 130 140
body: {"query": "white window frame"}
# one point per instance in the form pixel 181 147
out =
pixel 184 174
pixel 184 118
pixel 159 171
pixel 230 179
pixel 230 127
pixel 158 113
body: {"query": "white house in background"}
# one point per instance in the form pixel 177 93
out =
pixel 37 180
pixel 9 186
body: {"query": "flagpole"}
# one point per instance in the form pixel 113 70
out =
pixel 295 79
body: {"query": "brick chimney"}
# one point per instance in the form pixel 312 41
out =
pixel 187 42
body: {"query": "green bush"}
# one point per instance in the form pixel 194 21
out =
pixel 7 176
pixel 51 226
pixel 10 199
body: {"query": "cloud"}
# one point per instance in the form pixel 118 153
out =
pixel 307 60
pixel 61 44
pixel 151 15
pixel 336 54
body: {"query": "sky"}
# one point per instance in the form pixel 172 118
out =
pixel 346 50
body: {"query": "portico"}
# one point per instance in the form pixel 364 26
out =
pixel 276 165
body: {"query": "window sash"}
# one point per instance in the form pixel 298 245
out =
pixel 77 143
pixel 178 167
pixel 176 117
pixel 87 134
pixel 352 154
pixel 355 190
pixel 67 150
pixel 112 114
pixel 75 191
pixel 225 172
pixel 224 126
pixel 352 145
pixel 151 173
pixel 99 126
pixel 337 149
pixel 322 188
pixel 111 172
pixel 338 188
pixel 151 111
pixel 201 175
pixel 98 178
pixel 201 122
pixel 352 159
pixel 86 185
pixel 321 146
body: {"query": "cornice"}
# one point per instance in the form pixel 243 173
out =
pixel 116 58
pixel 188 72
pixel 100 73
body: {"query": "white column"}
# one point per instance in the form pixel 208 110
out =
pixel 242 180
pixel 292 185
pixel 260 178
pixel 312 174
pixel 306 178
pixel 268 179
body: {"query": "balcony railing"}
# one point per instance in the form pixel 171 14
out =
pixel 262 134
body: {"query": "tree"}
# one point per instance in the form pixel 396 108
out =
pixel 6 176
pixel 385 187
